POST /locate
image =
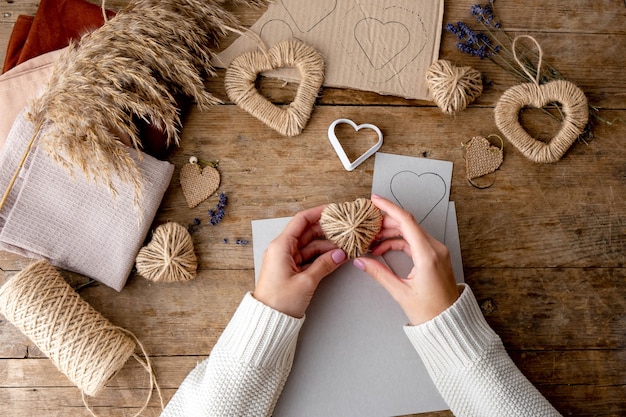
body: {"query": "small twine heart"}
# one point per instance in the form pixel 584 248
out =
pixel 243 71
pixel 481 157
pixel 452 87
pixel 352 226
pixel 574 108
pixel 169 256
pixel 198 184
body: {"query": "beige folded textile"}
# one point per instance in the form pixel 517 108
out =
pixel 76 224
pixel 20 85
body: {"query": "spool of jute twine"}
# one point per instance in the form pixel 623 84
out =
pixel 169 256
pixel 453 88
pixel 352 225
pixel 81 343
pixel 574 107
pixel 242 74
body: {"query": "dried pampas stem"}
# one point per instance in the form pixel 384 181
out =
pixel 129 69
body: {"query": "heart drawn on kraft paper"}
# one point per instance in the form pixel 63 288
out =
pixel 378 53
pixel 428 190
pixel 305 15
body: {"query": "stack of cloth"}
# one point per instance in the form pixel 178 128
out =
pixel 51 213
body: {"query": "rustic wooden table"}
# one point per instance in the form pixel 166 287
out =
pixel 544 248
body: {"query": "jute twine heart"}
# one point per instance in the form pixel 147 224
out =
pixel 452 87
pixel 169 256
pixel 574 108
pixel 243 71
pixel 197 183
pixel 352 226
pixel 481 157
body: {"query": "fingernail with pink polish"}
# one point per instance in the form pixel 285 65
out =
pixel 359 264
pixel 338 256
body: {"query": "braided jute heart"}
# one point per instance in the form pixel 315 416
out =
pixel 243 71
pixel 573 105
pixel 352 225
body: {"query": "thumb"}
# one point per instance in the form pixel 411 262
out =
pixel 325 264
pixel 383 275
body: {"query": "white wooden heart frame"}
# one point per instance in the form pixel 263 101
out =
pixel 349 166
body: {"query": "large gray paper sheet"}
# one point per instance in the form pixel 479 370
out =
pixel 353 358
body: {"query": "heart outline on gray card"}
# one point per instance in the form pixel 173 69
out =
pixel 405 180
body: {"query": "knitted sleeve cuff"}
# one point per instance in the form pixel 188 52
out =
pixel 260 336
pixel 455 338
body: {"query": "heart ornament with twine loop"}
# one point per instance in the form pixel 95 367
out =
pixel 243 71
pixel 198 183
pixel 482 158
pixel 574 108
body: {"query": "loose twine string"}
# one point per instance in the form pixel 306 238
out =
pixel 81 343
pixel 574 107
pixel 453 88
pixel 352 226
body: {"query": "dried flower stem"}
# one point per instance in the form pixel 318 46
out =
pixel 129 69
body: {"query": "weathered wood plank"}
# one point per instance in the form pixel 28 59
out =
pixel 577 200
pixel 264 177
pixel 531 309
pixel 543 248
pixel 602 368
pixel 563 376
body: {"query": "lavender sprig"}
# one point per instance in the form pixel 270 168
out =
pixel 216 215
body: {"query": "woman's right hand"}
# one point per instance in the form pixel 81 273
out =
pixel 430 287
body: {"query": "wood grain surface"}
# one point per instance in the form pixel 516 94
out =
pixel 544 248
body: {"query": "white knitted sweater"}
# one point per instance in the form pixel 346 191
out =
pixel 250 363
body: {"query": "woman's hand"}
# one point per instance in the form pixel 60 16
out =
pixel 430 287
pixel 294 264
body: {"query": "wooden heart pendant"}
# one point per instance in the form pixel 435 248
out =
pixel 243 71
pixel 574 108
pixel 197 183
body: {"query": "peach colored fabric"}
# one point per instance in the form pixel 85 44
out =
pixel 20 85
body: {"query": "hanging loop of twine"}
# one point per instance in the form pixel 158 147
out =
pixel 524 67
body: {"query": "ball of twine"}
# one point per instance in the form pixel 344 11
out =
pixel 169 256
pixel 452 87
pixel 82 344
pixel 352 225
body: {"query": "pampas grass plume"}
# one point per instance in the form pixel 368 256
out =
pixel 129 68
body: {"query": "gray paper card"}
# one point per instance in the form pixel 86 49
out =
pixel 353 358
